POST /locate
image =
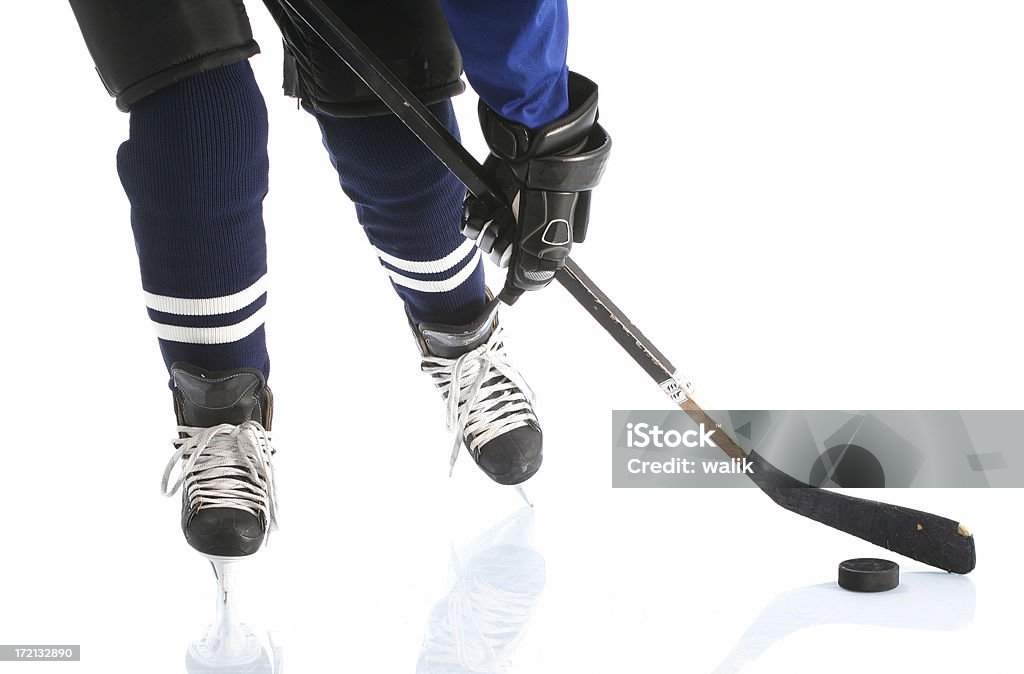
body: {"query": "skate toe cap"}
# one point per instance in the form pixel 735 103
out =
pixel 513 457
pixel 227 532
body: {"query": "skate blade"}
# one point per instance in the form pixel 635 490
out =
pixel 222 570
pixel 522 493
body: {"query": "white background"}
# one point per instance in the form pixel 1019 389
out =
pixel 809 205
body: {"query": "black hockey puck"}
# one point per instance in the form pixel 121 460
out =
pixel 869 575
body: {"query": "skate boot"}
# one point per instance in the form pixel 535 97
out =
pixel 228 502
pixel 489 403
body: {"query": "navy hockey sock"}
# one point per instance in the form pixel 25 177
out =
pixel 409 205
pixel 195 170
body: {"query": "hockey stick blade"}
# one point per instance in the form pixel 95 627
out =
pixel 934 540
pixel 886 525
pixel 922 536
pixel 927 538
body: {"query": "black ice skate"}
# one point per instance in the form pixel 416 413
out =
pixel 228 501
pixel 489 403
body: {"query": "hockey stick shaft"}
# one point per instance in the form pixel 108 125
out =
pixel 927 538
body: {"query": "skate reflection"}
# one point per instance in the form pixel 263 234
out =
pixel 229 646
pixel 498 579
pixel 914 604
pixel 233 649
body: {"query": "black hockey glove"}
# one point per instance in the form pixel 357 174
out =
pixel 546 175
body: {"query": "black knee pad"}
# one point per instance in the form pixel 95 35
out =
pixel 141 46
pixel 410 36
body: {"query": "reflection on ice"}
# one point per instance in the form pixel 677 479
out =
pixel 229 646
pixel 476 628
pixel 232 648
pixel 923 601
pixel 498 579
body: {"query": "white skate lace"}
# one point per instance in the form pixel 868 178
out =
pixel 226 466
pixel 488 398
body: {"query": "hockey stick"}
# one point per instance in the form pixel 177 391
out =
pixel 927 538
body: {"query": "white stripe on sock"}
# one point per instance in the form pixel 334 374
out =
pixel 430 266
pixel 223 335
pixel 210 306
pixel 437 286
